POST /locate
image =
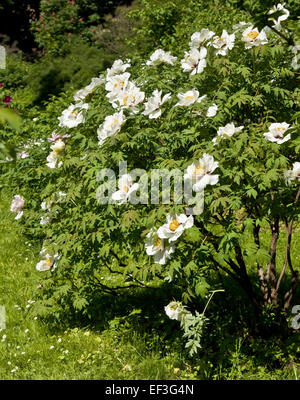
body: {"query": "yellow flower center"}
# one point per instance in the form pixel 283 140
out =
pixel 122 83
pixel 220 38
pixel 279 129
pixel 48 261
pixel 158 242
pixel 74 113
pixel 174 225
pixel 115 85
pixel 125 100
pixel 126 189
pixel 252 34
pixel 112 124
pixel 200 170
pixel 188 97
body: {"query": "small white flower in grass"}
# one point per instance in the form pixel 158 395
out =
pixel 50 262
pixel 194 61
pixel 26 331
pixel 111 126
pixel 59 340
pixel 126 187
pixel 175 227
pixel 189 97
pixel 73 115
pixel 199 38
pixel 200 172
pixel 83 93
pixel 117 68
pixel 23 154
pixel 227 130
pixel 252 37
pixel 3 338
pixel 130 98
pixel 51 347
pixel 17 205
pixel 152 106
pixel 157 247
pixel 293 174
pixel 223 43
pixel 212 111
pixel 117 84
pixel 161 57
pixel 276 132
pixel 175 310
pixel 284 15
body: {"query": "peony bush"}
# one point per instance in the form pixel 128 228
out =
pixel 218 109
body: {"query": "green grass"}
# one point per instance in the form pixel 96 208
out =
pixel 124 348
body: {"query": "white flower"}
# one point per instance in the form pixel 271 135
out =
pixel 73 115
pixel 118 67
pixel 50 262
pixel 189 97
pixel 111 126
pixel 212 111
pixel 252 37
pixel 223 43
pixel 194 61
pixel 175 310
pixel 152 106
pixel 23 154
pixel 83 93
pixel 116 84
pixel 199 38
pixel 293 174
pixel 200 173
pixel 160 56
pixel 58 146
pixel 227 130
pixel 157 247
pixel 175 227
pixel 130 98
pixel 126 187
pixel 44 220
pixel 276 133
pixel 17 206
pixel 53 160
pixel 283 17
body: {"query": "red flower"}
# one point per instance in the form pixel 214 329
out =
pixel 72 19
pixel 1 84
pixel 7 100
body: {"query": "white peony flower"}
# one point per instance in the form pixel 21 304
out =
pixel 17 206
pixel 252 37
pixel 283 17
pixel 157 247
pixel 189 97
pixel 23 154
pixel 194 61
pixel 161 57
pixel 227 130
pixel 175 310
pixel 199 38
pixel 175 227
pixel 83 93
pixel 200 173
pixel 117 68
pixel 152 106
pixel 73 115
pixel 126 187
pixel 223 43
pixel 293 174
pixel 116 84
pixel 276 133
pixel 212 111
pixel 111 126
pixel 130 98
